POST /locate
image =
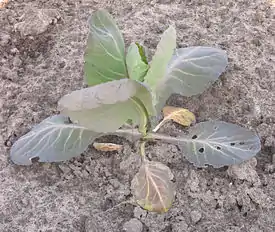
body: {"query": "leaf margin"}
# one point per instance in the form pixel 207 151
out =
pixel 51 121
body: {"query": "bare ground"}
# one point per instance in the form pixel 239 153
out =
pixel 42 45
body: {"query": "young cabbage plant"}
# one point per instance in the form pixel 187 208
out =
pixel 123 87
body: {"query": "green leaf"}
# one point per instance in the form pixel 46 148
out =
pixel 54 139
pixel 152 187
pixel 106 107
pixel 164 52
pixel 218 144
pixel 105 54
pixel 191 71
pixel 142 51
pixel 136 66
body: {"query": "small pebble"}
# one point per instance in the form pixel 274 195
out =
pixel 195 216
pixel 245 171
pixel 134 225
pixel 140 213
pixel 16 62
pixel 179 227
pixel 14 51
pixel 4 39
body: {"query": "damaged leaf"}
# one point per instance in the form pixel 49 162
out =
pixel 54 139
pixel 218 144
pixel 179 115
pixel 152 187
pixel 107 147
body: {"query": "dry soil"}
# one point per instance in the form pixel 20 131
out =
pixel 42 44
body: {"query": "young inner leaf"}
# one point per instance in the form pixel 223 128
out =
pixel 144 124
pixel 158 65
pixel 142 53
pixel 137 66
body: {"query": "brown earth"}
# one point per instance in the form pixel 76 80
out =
pixel 42 44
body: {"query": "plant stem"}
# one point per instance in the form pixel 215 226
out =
pixel 163 138
pixel 143 127
pixel 142 151
pixel 135 135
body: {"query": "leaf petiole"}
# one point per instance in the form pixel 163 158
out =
pixel 135 135
pixel 160 125
pixel 142 150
